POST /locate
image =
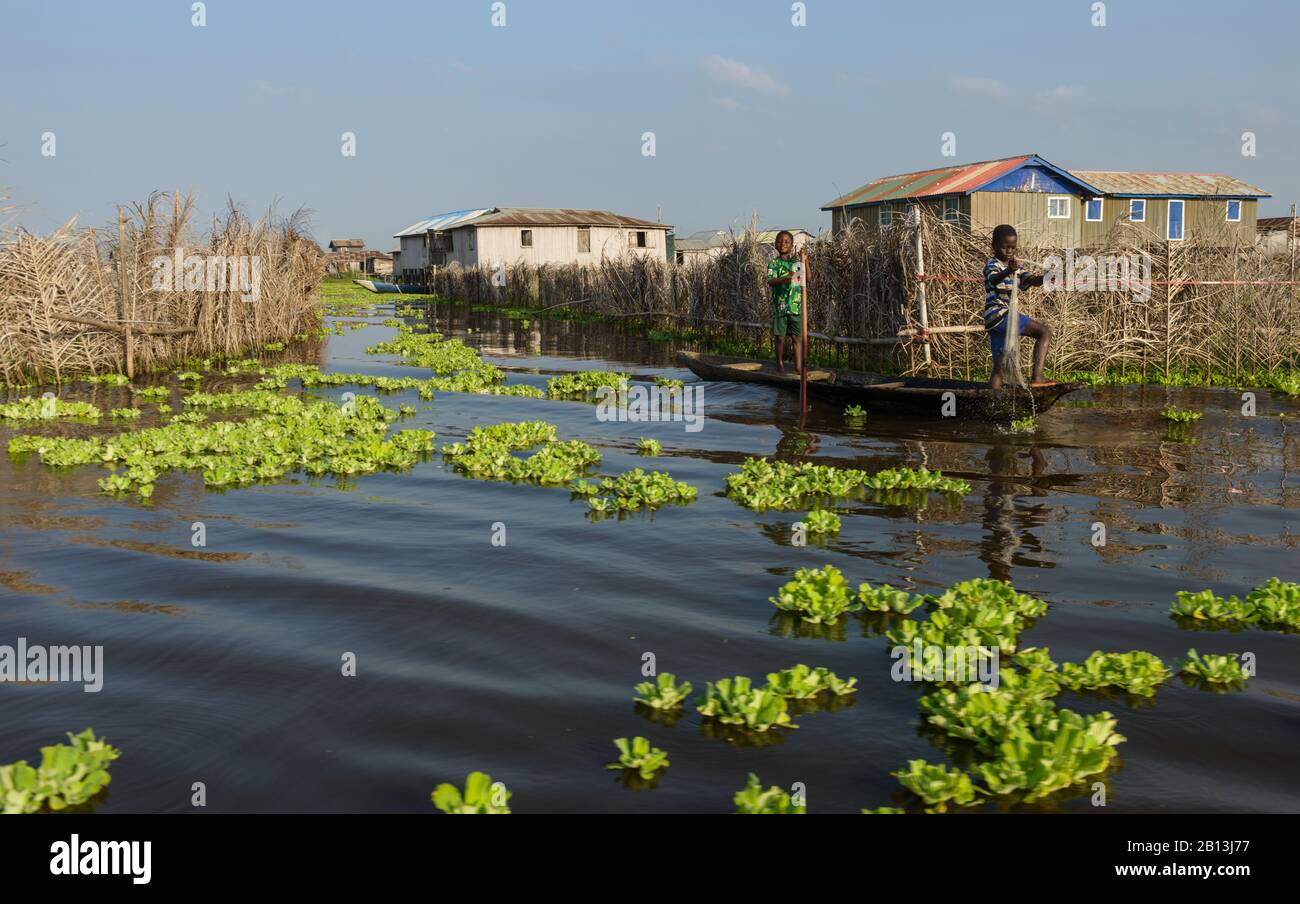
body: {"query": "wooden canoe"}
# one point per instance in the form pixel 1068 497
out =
pixel 919 396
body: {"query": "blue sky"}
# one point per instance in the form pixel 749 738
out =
pixel 749 112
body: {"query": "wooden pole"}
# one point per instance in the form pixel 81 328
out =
pixel 921 311
pixel 124 303
pixel 803 332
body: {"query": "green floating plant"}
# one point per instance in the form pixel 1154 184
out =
pixel 822 522
pixel 1275 604
pixel 879 811
pixel 648 446
pixel 46 408
pixel 937 785
pixel 1180 415
pixel 151 393
pixel 582 384
pixel 763 484
pixel 818 595
pixel 855 413
pixel 886 599
pixel 481 796
pixel 640 757
pixel 669 383
pixel 635 490
pixel 800 682
pixel 68 775
pixel 125 413
pixel 663 693
pixel 753 800
pixel 1215 669
pixel 1136 672
pixel 985 614
pixel 1027 424
pixel 735 701
pixel 1066 750
pixel 109 379
pixel 986 716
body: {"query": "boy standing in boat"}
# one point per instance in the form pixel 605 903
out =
pixel 999 273
pixel 785 278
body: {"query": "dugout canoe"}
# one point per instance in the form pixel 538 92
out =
pixel 920 396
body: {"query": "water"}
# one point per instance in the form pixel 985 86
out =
pixel 223 663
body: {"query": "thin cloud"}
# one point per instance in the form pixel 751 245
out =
pixel 737 74
pixel 980 86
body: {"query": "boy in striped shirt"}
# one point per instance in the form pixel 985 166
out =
pixel 999 272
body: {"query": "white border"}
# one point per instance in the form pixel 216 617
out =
pixel 1141 219
pixel 1169 214
pixel 1227 206
pixel 1101 210
pixel 1068 212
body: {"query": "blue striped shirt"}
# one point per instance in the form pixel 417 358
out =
pixel 998 295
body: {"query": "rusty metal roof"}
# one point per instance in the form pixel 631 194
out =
pixel 928 183
pixel 561 216
pixel 1177 185
pixel 347 243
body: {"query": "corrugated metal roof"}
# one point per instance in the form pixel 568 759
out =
pixel 1146 185
pixel 562 216
pixel 928 183
pixel 1264 224
pixel 443 221
pixel 348 243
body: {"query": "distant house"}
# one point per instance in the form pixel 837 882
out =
pixel 487 236
pixel 346 244
pixel 1279 235
pixel 1052 206
pixel 376 263
pixel 710 242
pixel 358 261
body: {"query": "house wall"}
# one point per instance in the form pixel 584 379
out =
pixel 1027 212
pixel 559 244
pixel 1201 216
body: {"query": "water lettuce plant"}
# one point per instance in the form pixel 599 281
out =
pixel 818 595
pixel 663 693
pixel 1027 424
pixel 765 484
pixel 648 446
pixel 1066 750
pixel 68 775
pixel 639 756
pixel 488 454
pixel 752 800
pixel 800 682
pixel 1275 604
pixel 854 413
pixel 479 797
pixel 46 408
pixel 735 701
pixel 1136 672
pixel 582 384
pixel 821 521
pixel 151 393
pixel 937 785
pixel 986 716
pixel 1215 669
pixel 886 599
pixel 981 613
pixel 1180 415
pixel 669 383
pixel 635 490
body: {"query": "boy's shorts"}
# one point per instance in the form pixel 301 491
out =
pixel 786 324
pixel 998 335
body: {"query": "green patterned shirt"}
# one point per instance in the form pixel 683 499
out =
pixel 786 297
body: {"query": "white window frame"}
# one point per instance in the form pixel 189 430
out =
pixel 1101 210
pixel 884 216
pixel 1068 213
pixel 956 210
pixel 529 242
pixel 1227 211
pixel 1182 220
pixel 1133 219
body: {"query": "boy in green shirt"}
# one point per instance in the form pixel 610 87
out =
pixel 785 277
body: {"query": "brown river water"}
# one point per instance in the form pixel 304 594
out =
pixel 222 663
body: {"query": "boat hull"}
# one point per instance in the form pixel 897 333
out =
pixel 917 396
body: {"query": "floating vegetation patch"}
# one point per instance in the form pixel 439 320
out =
pixel 936 785
pixel 1216 671
pixel 648 447
pixel 67 776
pixel 821 522
pixel 431 350
pixel 581 385
pixel 985 614
pixel 887 599
pixel 640 757
pixel 762 484
pixel 817 595
pixel 1027 424
pixel 1135 672
pixel 488 454
pixel 633 491
pixel 1181 416
pixel 735 701
pixel 753 800
pixel 151 393
pixel 800 682
pixel 46 408
pixel 663 693
pixel 481 795
pixel 855 414
pixel 1274 605
pixel 285 434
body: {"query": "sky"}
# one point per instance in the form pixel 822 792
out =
pixel 751 114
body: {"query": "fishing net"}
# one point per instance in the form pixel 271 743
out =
pixel 1012 375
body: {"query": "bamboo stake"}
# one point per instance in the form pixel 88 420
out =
pixel 803 330
pixel 922 311
pixel 124 302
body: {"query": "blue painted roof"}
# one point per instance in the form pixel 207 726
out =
pixel 444 221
